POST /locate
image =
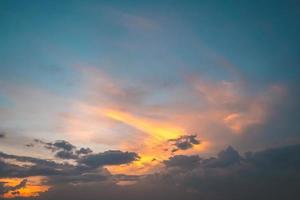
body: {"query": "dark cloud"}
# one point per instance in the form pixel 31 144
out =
pixel 59 145
pixel 66 155
pixel 108 158
pixel 63 149
pixel 86 169
pixel 270 174
pixel 225 158
pixel 2 135
pixel 84 151
pixel 280 158
pixel 236 178
pixel 37 161
pixel 185 142
pixel 183 161
pixel 38 167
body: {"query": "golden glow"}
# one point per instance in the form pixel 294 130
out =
pixel 158 130
pixel 151 161
pixel 222 108
pixel 146 164
pixel 152 149
pixel 32 188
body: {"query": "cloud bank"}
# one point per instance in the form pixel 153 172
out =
pixel 269 174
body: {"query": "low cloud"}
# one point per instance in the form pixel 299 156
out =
pixel 64 149
pixel 57 145
pixel 109 158
pixel 269 174
pixel 259 175
pixel 185 142
pixel 5 189
pixel 87 167
pixel 84 151
pixel 183 161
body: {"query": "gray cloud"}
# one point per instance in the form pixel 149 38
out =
pixel 39 167
pixel 66 155
pixel 225 158
pixel 57 145
pixel 86 168
pixel 280 158
pixel 270 174
pixel 63 149
pixel 84 151
pixel 235 178
pixel 183 161
pixel 185 142
pixel 108 158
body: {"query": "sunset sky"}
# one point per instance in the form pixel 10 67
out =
pixel 149 99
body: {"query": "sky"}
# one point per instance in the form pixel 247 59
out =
pixel 149 99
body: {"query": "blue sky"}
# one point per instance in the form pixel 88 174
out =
pixel 42 37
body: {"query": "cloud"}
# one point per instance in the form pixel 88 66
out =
pixel 30 166
pixel 183 161
pixel 225 158
pixel 66 155
pixel 57 145
pixel 4 189
pixel 259 175
pixel 108 158
pixel 84 168
pixel 2 135
pixel 143 117
pixel 63 149
pixel 84 151
pixel 185 142
pixel 277 158
pixel 37 167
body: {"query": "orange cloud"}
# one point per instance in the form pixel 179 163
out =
pixel 151 150
pixel 33 187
